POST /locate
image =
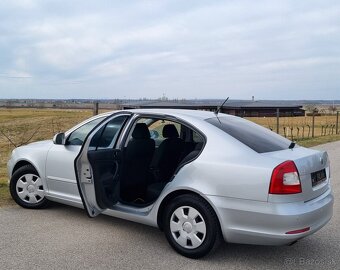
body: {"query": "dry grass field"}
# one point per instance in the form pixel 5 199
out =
pixel 300 125
pixel 300 128
pixel 21 126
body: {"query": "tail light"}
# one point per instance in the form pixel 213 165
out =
pixel 285 179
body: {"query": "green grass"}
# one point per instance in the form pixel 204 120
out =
pixel 318 140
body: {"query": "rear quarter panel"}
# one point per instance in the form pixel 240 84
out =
pixel 227 168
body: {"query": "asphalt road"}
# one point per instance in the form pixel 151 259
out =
pixel 62 237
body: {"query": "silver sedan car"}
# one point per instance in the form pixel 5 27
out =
pixel 198 176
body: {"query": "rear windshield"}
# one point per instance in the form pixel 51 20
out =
pixel 256 137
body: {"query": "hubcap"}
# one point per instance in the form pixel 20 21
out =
pixel 30 189
pixel 188 227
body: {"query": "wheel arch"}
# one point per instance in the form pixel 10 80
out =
pixel 22 163
pixel 175 194
pixel 39 203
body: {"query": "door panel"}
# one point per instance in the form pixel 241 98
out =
pixel 106 168
pixel 60 176
pixel 98 166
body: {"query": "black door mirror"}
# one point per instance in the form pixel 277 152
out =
pixel 59 138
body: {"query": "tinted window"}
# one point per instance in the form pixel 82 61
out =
pixel 197 138
pixel 258 138
pixel 107 135
pixel 78 136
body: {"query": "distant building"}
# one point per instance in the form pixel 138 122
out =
pixel 238 108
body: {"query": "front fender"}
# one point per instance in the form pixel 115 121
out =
pixel 36 156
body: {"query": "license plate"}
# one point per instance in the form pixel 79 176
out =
pixel 318 177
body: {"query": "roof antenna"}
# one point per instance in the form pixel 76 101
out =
pixel 218 110
pixel 220 107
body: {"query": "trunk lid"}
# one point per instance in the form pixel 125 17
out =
pixel 311 164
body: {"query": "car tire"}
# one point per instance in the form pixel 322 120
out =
pixel 26 188
pixel 191 226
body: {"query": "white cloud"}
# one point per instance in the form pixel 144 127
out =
pixel 16 74
pixel 127 65
pixel 24 4
pixel 188 48
pixel 298 63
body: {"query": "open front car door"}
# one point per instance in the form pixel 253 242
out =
pixel 98 166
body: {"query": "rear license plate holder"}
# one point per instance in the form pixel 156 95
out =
pixel 318 177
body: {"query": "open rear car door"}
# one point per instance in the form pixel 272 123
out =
pixel 98 165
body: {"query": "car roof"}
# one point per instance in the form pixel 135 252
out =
pixel 201 115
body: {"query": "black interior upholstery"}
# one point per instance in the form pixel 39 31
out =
pixel 155 189
pixel 141 131
pixel 189 157
pixel 146 171
pixel 168 154
pixel 137 159
pixel 170 131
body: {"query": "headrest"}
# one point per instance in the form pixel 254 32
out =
pixel 170 131
pixel 141 131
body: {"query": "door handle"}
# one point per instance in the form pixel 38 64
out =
pixel 116 171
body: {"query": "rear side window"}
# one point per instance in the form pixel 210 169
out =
pixel 258 138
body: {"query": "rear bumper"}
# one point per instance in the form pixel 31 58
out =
pixel 264 223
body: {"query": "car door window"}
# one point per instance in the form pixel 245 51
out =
pixel 106 137
pixel 156 130
pixel 78 136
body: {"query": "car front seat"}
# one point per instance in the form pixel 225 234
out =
pixel 168 154
pixel 136 163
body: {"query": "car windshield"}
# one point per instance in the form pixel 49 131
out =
pixel 256 137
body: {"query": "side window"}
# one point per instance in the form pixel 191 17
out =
pixel 156 129
pixel 256 137
pixel 78 136
pixel 197 138
pixel 106 136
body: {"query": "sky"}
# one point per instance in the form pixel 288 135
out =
pixel 180 49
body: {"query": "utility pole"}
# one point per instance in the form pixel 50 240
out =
pixel 313 123
pixel 337 123
pixel 277 120
pixel 95 108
